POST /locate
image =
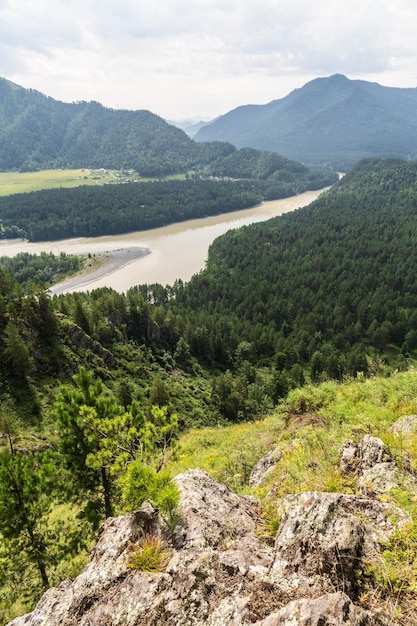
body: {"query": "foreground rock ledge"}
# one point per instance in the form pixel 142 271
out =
pixel 220 573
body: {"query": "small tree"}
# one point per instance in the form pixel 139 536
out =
pixel 82 410
pixel 26 484
pixel 16 351
pixel 99 439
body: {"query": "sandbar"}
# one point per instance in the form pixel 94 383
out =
pixel 104 263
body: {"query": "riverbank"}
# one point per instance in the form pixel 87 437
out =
pixel 103 264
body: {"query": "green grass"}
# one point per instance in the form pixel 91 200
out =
pixel 149 555
pixel 22 182
pixel 227 453
pixel 309 427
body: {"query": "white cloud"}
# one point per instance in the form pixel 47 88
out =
pixel 179 57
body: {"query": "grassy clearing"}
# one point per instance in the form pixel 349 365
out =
pixel 22 182
pixel 310 426
pixel 227 453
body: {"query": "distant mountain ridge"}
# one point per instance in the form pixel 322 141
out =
pixel 333 120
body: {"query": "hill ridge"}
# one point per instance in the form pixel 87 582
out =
pixel 328 120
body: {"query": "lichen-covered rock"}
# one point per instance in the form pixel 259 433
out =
pixel 348 458
pixel 324 537
pixel 405 425
pixel 379 479
pixel 373 464
pixel 219 572
pixel 371 451
pixel 264 466
pixel 330 609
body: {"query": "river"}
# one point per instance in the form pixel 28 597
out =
pixel 161 255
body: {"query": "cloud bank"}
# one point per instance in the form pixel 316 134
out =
pixel 180 58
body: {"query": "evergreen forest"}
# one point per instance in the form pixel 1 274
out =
pixel 100 392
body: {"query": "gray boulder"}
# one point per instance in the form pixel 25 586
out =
pixel 405 425
pixel 324 537
pixel 331 609
pixel 373 464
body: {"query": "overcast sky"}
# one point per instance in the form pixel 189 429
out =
pixel 202 58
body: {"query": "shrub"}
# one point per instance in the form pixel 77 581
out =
pixel 142 482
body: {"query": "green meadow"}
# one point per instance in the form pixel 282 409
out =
pixel 21 182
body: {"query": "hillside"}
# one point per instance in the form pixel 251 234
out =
pixel 38 132
pixel 331 282
pixel 327 537
pixel 330 120
pixel 298 340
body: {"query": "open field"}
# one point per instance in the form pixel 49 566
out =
pixel 20 182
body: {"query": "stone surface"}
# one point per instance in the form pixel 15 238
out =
pixel 373 464
pixel 324 537
pixel 331 609
pixel 371 451
pixel 405 425
pixel 348 458
pixel 219 572
pixel 264 466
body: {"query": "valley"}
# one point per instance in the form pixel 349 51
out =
pixel 240 333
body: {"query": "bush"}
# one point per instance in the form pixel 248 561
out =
pixel 141 482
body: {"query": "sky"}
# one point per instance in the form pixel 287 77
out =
pixel 198 59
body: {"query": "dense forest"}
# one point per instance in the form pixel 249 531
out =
pixel 43 269
pixel 113 209
pixel 331 282
pixel 95 387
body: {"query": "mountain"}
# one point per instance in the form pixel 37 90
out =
pixel 190 126
pixel 38 132
pixel 330 120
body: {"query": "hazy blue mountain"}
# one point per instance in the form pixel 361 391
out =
pixel 330 120
pixel 190 126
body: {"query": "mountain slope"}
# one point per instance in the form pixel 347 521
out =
pixel 329 120
pixel 38 132
pixel 333 281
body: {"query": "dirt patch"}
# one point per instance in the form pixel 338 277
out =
pixel 295 421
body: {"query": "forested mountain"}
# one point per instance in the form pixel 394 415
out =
pixel 330 120
pixel 38 132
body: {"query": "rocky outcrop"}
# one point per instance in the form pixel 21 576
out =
pixel 331 609
pixel 406 425
pixel 373 464
pixel 219 571
pixel 264 466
